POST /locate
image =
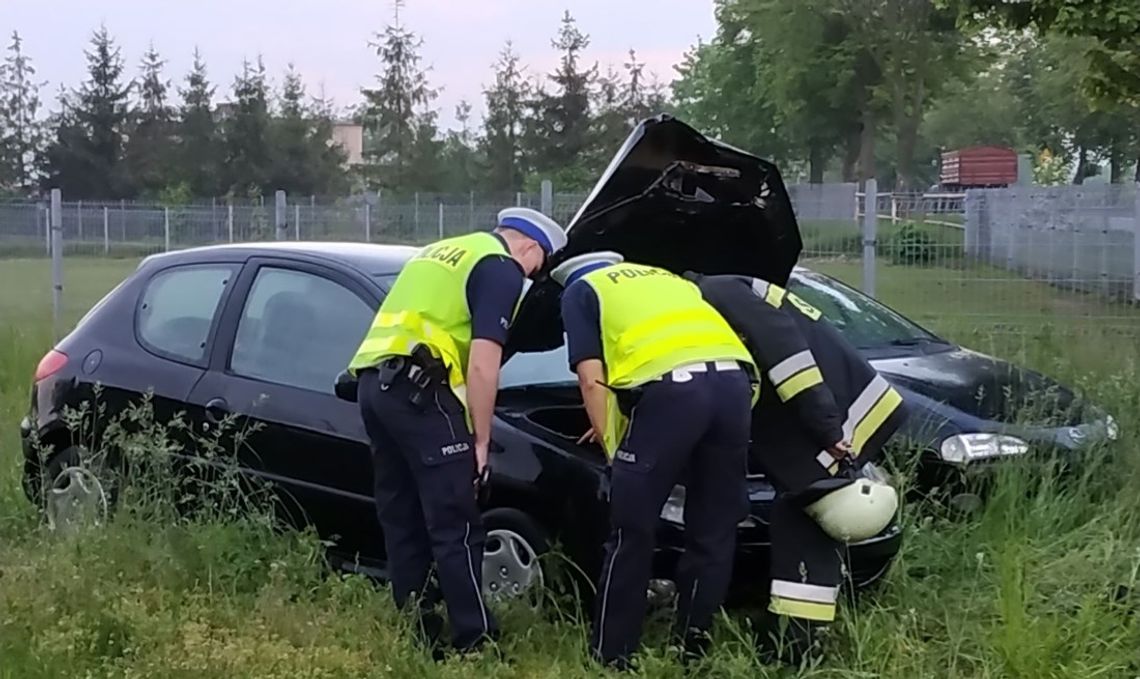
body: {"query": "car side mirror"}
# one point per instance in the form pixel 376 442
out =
pixel 346 386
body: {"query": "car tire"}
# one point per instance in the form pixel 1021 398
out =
pixel 512 556
pixel 78 489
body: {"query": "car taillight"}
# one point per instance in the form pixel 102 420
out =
pixel 52 362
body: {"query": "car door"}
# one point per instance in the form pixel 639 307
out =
pixel 157 337
pixel 289 329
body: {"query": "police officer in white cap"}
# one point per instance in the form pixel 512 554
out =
pixel 428 374
pixel 667 386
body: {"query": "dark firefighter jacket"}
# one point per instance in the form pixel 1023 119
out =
pixel 816 388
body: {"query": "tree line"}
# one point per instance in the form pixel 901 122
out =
pixel 831 89
pixel 853 89
pixel 117 137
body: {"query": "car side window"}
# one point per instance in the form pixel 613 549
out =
pixel 298 329
pixel 178 307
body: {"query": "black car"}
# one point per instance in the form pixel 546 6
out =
pixel 263 331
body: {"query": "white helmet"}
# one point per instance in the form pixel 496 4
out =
pixel 856 511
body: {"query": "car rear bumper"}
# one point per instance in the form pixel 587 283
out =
pixel 30 479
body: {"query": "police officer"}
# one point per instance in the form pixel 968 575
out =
pixel 667 386
pixel 428 373
pixel 823 411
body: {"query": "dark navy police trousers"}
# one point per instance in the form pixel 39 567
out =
pixel 691 428
pixel 424 464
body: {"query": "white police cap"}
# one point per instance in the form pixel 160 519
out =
pixel 574 268
pixel 536 225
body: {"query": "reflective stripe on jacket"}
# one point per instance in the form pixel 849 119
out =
pixel 428 305
pixel 820 385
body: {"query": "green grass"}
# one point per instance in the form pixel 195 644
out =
pixel 1030 587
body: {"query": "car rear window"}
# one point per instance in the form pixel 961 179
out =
pixel 178 307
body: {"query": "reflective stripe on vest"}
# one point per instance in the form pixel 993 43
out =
pixel 653 321
pixel 428 305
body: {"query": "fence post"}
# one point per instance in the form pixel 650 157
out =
pixel 79 219
pixel 1136 244
pixel 297 221
pixel 417 214
pixel 45 210
pixel 547 198
pixel 471 212
pixel 870 228
pixel 106 230
pixel 441 219
pixel 518 198
pixel 230 221
pixel 367 221
pixel 279 219
pixel 56 259
pixel 166 228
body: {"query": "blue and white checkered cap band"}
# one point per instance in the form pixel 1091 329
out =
pixel 530 229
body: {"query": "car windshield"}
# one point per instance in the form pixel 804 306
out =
pixel 865 323
pixel 548 368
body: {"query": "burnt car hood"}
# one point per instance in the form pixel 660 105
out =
pixel 985 387
pixel 673 198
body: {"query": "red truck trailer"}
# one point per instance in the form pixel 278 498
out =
pixel 978 166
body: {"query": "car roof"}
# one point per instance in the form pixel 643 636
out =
pixel 373 258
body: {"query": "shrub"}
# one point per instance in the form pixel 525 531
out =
pixel 911 245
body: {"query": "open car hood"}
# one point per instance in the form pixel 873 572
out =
pixel 675 199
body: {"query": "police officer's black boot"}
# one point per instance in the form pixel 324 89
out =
pixel 788 640
pixel 427 621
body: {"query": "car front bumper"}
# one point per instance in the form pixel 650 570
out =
pixel 865 562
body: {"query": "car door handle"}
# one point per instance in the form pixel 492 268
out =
pixel 216 410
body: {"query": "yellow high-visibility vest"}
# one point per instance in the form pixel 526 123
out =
pixel 653 321
pixel 428 305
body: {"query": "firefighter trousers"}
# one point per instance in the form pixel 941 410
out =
pixel 806 573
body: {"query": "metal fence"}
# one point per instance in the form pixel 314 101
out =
pixel 1020 260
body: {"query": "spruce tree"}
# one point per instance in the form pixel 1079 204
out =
pixel 86 157
pixel 150 146
pixel 504 124
pixel 22 134
pixel 198 146
pixel 396 131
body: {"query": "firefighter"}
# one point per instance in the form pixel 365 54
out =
pixel 667 387
pixel 823 411
pixel 428 373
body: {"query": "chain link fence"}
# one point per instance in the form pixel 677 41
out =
pixel 1022 260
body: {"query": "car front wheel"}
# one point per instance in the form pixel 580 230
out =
pixel 511 556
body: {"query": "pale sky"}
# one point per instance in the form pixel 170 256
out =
pixel 328 39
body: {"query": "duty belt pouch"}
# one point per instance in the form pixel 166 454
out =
pixel 389 370
pixel 425 373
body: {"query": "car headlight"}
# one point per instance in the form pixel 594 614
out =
pixel 967 447
pixel 875 473
pixel 1111 428
pixel 673 511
